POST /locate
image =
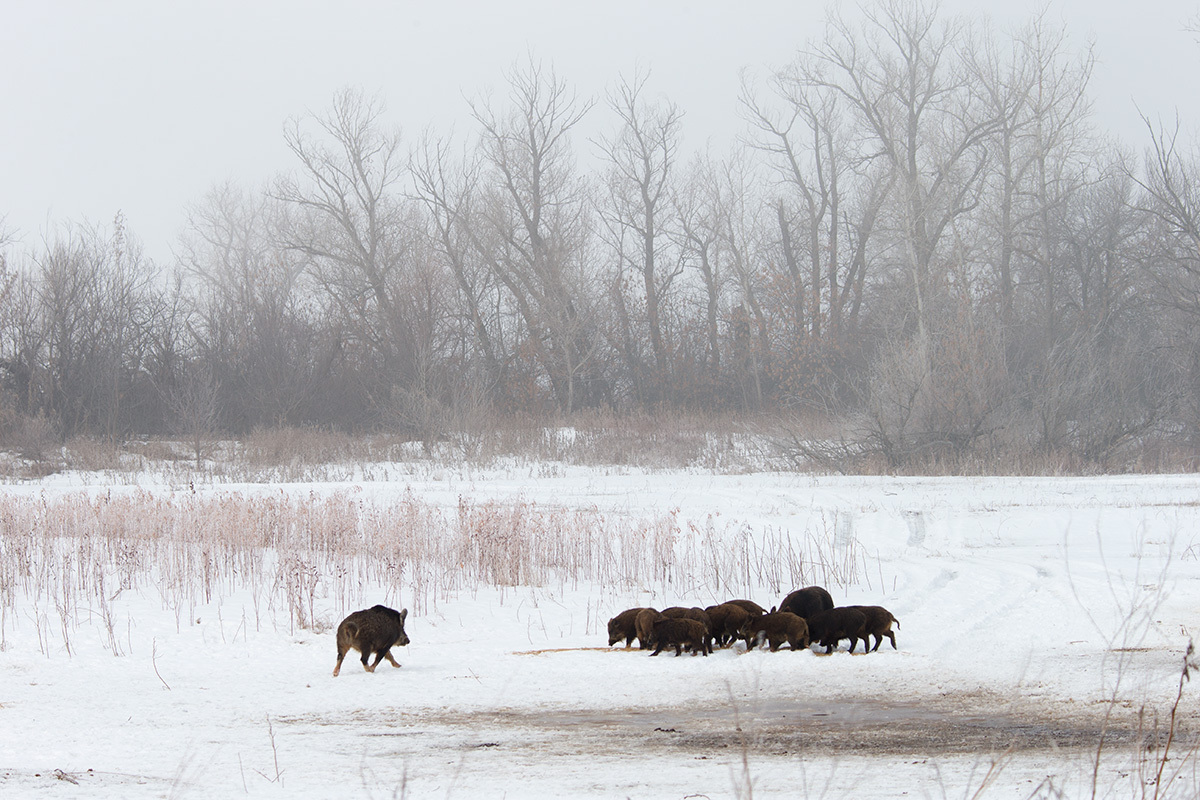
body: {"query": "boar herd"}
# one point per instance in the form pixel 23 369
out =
pixel 805 616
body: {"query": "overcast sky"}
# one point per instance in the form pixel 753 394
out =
pixel 143 106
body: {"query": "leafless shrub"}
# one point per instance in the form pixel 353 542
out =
pixel 282 446
pixel 92 454
pixel 935 395
pixel 31 437
pixel 195 410
pixel 1165 754
pixel 802 450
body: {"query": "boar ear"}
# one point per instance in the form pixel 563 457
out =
pixel 772 609
pixel 403 613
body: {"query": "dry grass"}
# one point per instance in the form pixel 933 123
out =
pixel 64 559
pixel 805 441
pixel 718 444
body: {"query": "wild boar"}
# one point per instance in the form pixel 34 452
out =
pixel 644 626
pixel 829 627
pixel 727 620
pixel 623 626
pixel 678 631
pixel 878 624
pixel 750 606
pixel 807 601
pixel 373 630
pixel 776 628
pixel 696 613
pixel 717 615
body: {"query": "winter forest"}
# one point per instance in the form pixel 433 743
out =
pixel 921 248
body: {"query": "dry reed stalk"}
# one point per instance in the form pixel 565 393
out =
pixel 312 555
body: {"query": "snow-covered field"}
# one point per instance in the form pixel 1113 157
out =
pixel 1038 617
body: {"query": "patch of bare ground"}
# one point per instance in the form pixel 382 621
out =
pixel 962 724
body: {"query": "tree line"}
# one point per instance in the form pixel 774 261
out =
pixel 921 233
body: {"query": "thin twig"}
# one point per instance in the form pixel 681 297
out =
pixel 154 662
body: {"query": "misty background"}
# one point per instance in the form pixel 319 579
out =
pixel 899 236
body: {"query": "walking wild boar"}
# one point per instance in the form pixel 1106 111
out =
pixel 373 630
pixel 828 628
pixel 776 628
pixel 679 631
pixel 879 625
pixel 727 620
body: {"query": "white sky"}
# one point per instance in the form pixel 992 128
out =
pixel 143 106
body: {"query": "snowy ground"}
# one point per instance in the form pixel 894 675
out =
pixel 1029 608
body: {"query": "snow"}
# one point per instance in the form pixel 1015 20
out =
pixel 1028 608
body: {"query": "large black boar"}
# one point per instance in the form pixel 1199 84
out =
pixel 879 624
pixel 776 628
pixel 623 626
pixel 373 630
pixel 830 627
pixel 677 632
pixel 807 601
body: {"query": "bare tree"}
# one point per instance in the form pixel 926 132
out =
pixel 641 157
pixel 1171 199
pixel 449 189
pixel 830 195
pixel 256 330
pixel 1038 97
pixel 700 208
pixel 903 76
pixel 352 225
pixel 743 238
pixel 195 405
pixel 800 143
pixel 132 307
pixel 537 217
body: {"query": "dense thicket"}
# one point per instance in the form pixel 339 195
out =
pixel 922 234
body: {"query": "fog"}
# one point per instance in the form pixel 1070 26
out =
pixel 143 107
pixel 947 238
